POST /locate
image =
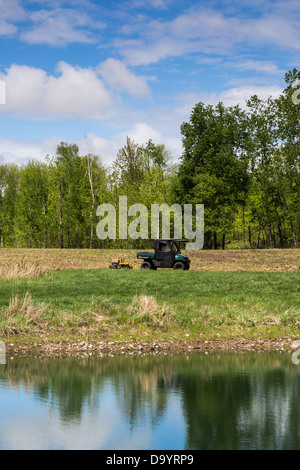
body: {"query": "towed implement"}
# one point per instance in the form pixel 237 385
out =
pixel 121 264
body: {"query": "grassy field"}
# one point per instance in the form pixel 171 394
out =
pixel 214 300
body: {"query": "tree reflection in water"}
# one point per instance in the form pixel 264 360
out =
pixel 225 401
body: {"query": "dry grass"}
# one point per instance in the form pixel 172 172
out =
pixel 21 270
pixel 146 309
pixel 25 308
pixel 21 313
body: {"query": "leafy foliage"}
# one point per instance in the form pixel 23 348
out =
pixel 244 166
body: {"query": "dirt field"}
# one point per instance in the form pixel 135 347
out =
pixel 275 260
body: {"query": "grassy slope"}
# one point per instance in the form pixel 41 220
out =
pixel 100 304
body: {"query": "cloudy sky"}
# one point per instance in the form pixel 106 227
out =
pixel 93 72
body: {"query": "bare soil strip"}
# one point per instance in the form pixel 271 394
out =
pixel 275 260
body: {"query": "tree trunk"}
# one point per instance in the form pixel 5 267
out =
pixel 249 232
pixel 60 214
pixel 270 236
pixel 215 241
pixel 209 245
pixel 90 174
pixel 244 237
pixel 46 231
pixel 223 242
pixel 294 236
pixel 269 224
pixel 279 226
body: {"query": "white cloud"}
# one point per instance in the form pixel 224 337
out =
pixel 198 30
pixel 7 29
pixel 73 93
pixel 206 30
pixel 273 29
pixel 239 95
pixel 150 4
pixel 53 25
pixel 46 430
pixel 142 132
pixel 21 151
pixel 162 126
pixel 12 10
pixel 61 26
pixel 230 97
pixel 10 13
pixel 117 76
pixel 76 93
pixel 108 147
pixel 264 66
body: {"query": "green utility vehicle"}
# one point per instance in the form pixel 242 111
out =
pixel 166 254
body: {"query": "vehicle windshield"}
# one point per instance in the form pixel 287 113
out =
pixel 174 247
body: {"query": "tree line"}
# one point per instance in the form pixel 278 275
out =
pixel 242 164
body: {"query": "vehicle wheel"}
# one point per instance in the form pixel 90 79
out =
pixel 179 265
pixel 113 266
pixel 187 266
pixel 146 265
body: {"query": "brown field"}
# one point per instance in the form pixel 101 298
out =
pixel 276 260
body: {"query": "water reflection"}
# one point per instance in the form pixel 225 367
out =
pixel 150 402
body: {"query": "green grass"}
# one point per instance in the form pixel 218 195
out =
pixel 107 305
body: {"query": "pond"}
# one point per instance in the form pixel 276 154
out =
pixel 159 402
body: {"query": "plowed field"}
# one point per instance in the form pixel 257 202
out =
pixel 275 260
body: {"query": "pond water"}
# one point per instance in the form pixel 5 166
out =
pixel 162 402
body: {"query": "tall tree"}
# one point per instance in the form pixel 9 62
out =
pixel 9 182
pixel 70 174
pixel 264 144
pixel 129 168
pixel 32 211
pixel 214 168
pixel 94 192
pixel 289 134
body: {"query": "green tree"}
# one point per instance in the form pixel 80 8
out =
pixel 289 134
pixel 128 170
pixel 32 211
pixel 9 181
pixel 264 144
pixel 69 174
pixel 214 167
pixel 142 173
pixel 94 192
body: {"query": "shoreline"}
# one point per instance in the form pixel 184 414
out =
pixel 98 348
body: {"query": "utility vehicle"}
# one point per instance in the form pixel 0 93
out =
pixel 166 254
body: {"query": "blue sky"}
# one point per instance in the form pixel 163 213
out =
pixel 94 72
